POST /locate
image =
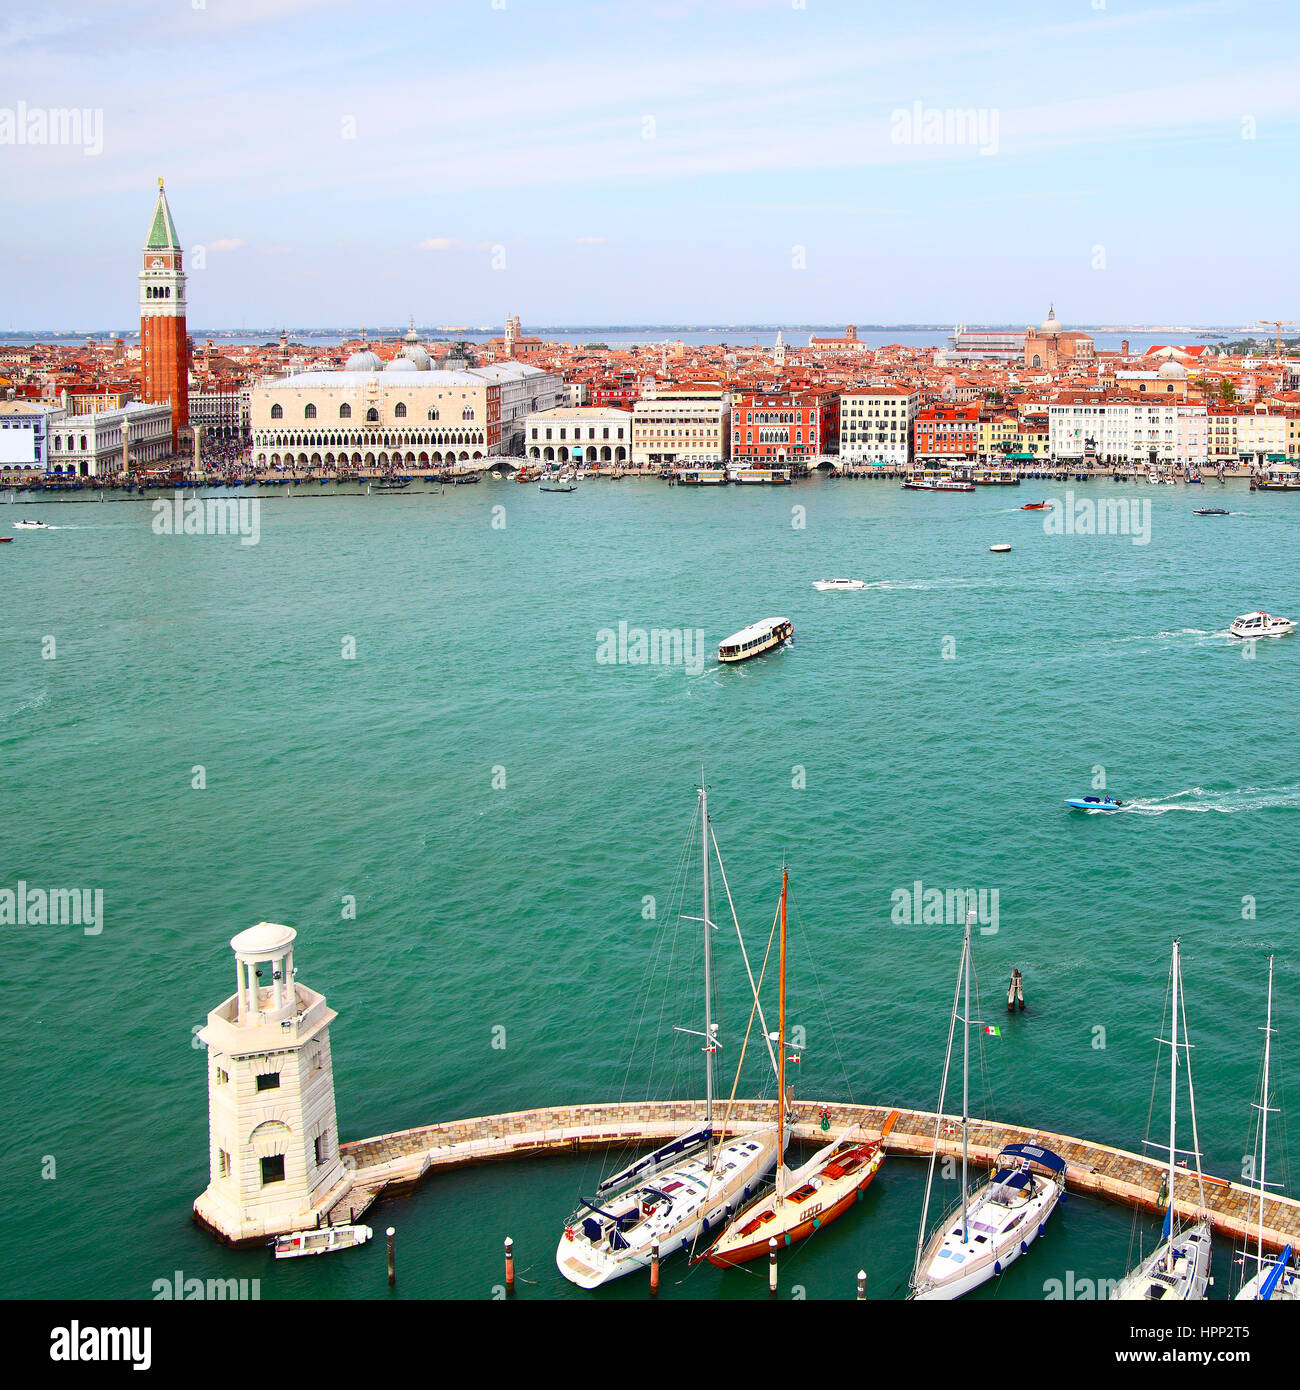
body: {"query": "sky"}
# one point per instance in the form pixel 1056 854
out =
pixel 710 162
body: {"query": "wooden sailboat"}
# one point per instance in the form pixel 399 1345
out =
pixel 663 1202
pixel 1274 1280
pixel 815 1193
pixel 992 1228
pixel 1179 1267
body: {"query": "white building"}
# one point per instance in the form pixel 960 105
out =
pixel 524 391
pixel 587 434
pixel 223 414
pixel 681 427
pixel 1130 430
pixel 273 1147
pixel 876 425
pixel 25 434
pixel 91 446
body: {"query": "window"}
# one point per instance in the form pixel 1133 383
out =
pixel 433 414
pixel 273 1169
pixel 322 1147
pixel 467 413
pixel 309 412
pixel 223 1077
pixel 223 1164
pixel 277 412
pixel 345 411
pixel 372 416
pixel 268 1081
pixel 399 410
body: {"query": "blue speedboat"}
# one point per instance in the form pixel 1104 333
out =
pixel 1093 803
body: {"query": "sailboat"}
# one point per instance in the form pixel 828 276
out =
pixel 1274 1279
pixel 1179 1267
pixel 814 1194
pixel 989 1231
pixel 685 1189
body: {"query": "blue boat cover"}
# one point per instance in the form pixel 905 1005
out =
pixel 1031 1151
pixel 1275 1274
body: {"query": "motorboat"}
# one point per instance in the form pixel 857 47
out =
pixel 832 585
pixel 916 483
pixel 1000 549
pixel 1035 506
pixel 1093 803
pixel 755 639
pixel 1261 624
pixel 31 526
pixel 1209 511
pixel 319 1242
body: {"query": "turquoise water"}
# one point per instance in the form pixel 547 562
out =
pixel 521 907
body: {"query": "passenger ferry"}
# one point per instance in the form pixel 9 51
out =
pixel 1261 624
pixel 1281 477
pixel 701 477
pixel 755 639
pixel 918 482
pixel 995 477
pixel 760 475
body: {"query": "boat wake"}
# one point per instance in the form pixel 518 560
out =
pixel 1226 803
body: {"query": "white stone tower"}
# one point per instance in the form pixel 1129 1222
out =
pixel 272 1133
pixel 778 352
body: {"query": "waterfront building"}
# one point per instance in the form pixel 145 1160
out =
pixel 25 433
pixel 1222 424
pixel 784 426
pixel 1261 435
pixel 273 1146
pixel 368 417
pixel 672 426
pixel 525 390
pixel 1053 348
pixel 221 413
pixel 947 434
pixel 876 425
pixel 91 446
pixel 1127 429
pixel 164 346
pixel 581 434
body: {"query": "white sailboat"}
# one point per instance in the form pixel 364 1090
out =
pixel 1275 1279
pixel 683 1190
pixel 989 1231
pixel 1179 1267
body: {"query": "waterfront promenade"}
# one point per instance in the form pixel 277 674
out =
pixel 392 1164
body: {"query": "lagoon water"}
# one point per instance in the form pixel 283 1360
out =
pixel 862 754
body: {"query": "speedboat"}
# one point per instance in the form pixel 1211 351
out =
pixel 995 1228
pixel 31 526
pixel 1209 511
pixel 1035 506
pixel 1000 549
pixel 1261 624
pixel 755 639
pixel 1093 803
pixel 319 1242
pixel 829 585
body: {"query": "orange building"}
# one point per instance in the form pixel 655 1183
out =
pixel 164 346
pixel 784 425
pixel 947 432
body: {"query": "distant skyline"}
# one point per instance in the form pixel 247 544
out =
pixel 729 162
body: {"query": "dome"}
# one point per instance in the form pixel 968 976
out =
pixel 1051 324
pixel 1172 371
pixel 364 361
pixel 263 940
pixel 401 364
pixel 417 355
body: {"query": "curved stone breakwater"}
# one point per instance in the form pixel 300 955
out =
pixel 391 1164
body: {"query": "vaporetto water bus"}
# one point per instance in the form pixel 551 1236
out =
pixel 755 639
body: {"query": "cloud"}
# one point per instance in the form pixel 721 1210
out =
pixel 232 243
pixel 437 243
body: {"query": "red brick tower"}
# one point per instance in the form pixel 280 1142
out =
pixel 164 348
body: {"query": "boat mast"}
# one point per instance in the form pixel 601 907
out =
pixel 780 1065
pixel 708 971
pixel 1173 1108
pixel 965 1078
pixel 1263 1109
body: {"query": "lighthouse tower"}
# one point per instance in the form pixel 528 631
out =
pixel 164 347
pixel 273 1137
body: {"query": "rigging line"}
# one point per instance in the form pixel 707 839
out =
pixel 726 1119
pixel 1191 1102
pixel 821 995
pixel 1151 1106
pixel 744 955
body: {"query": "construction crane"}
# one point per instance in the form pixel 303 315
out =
pixel 1279 324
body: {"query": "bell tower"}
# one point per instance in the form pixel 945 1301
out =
pixel 273 1151
pixel 164 347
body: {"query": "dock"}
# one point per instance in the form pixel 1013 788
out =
pixel 393 1164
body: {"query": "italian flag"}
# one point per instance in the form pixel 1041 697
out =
pixel 992 1031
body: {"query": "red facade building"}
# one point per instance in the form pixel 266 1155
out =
pixel 944 432
pixel 784 426
pixel 164 346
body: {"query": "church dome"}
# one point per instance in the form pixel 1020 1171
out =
pixel 1051 324
pixel 401 364
pixel 418 357
pixel 364 361
pixel 1172 371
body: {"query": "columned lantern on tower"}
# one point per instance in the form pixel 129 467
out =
pixel 164 347
pixel 274 1163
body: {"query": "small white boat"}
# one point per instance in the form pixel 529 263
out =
pixel 320 1242
pixel 1261 624
pixel 755 639
pixel 999 549
pixel 31 526
pixel 833 585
